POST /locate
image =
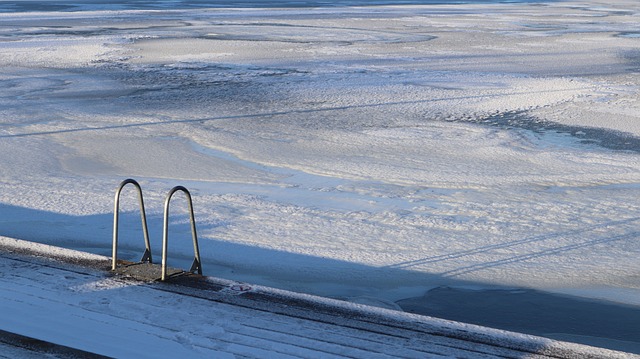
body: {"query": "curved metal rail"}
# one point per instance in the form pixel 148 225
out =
pixel 197 264
pixel 146 257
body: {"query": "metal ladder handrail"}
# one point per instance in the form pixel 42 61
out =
pixel 146 257
pixel 197 264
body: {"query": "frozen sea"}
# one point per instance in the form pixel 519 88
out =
pixel 389 153
pixel 70 5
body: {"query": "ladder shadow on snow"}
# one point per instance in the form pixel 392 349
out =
pixel 556 249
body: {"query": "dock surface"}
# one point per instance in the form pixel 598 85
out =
pixel 69 304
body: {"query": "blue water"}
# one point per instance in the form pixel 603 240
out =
pixel 79 5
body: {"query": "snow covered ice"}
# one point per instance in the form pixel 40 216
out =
pixel 361 153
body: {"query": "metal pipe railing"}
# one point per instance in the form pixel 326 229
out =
pixel 197 264
pixel 146 257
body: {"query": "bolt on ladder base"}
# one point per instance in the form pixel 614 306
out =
pixel 196 266
pixel 146 257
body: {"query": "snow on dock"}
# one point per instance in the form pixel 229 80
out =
pixel 71 300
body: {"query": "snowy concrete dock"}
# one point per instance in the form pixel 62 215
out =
pixel 68 304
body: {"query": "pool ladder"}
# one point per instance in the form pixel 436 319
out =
pixel 146 257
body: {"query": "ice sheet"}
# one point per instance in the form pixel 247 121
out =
pixel 349 152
